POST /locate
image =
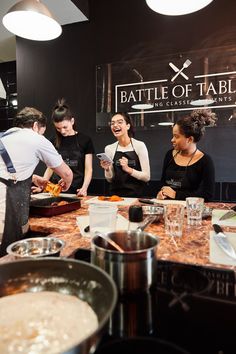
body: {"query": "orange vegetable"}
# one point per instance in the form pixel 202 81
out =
pixel 54 189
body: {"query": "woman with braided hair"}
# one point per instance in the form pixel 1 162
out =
pixel 188 171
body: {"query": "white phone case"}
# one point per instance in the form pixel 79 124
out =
pixel 103 156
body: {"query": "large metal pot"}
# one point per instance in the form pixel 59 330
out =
pixel 72 277
pixel 135 269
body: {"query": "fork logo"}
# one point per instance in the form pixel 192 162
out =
pixel 180 71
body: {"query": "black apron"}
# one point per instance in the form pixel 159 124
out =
pixel 75 159
pixel 176 177
pixel 122 183
pixel 17 203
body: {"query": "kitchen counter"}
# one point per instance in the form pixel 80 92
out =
pixel 192 248
pixel 192 305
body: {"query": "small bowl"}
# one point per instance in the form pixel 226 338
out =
pixel 149 210
pixel 36 247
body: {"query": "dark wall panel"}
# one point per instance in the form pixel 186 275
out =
pixel 119 31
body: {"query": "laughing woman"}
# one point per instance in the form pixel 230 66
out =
pixel 130 170
pixel 188 171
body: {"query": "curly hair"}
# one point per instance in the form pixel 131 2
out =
pixel 194 124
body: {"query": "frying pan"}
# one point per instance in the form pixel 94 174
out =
pixel 73 277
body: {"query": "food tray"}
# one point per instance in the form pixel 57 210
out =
pixel 43 207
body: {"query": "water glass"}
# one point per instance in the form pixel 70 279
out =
pixel 174 219
pixel 102 218
pixel 195 208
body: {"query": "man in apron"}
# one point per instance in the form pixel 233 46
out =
pixel 21 149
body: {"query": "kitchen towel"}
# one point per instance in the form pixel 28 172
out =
pixel 217 255
pixel 82 221
pixel 216 215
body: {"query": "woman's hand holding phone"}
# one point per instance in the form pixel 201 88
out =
pixel 105 161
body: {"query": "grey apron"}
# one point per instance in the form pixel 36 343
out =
pixel 17 211
pixel 17 204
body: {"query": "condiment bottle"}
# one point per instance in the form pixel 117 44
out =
pixel 135 217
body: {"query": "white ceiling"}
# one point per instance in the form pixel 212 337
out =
pixel 64 11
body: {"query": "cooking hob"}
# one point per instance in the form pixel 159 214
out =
pixel 191 309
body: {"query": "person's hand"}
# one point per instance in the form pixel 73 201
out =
pixel 36 190
pixel 166 192
pixel 160 195
pixel 105 164
pixel 81 192
pixel 124 165
pixel 40 182
pixel 64 185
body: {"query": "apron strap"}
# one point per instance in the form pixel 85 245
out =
pixel 6 158
pixel 7 182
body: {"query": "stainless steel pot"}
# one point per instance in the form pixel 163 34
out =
pixel 135 269
pixel 77 278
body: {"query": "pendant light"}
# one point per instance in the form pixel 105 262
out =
pixel 177 7
pixel 166 120
pixel 31 19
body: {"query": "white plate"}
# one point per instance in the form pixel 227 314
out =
pixel 126 201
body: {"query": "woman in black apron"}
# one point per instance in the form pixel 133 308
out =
pixel 130 170
pixel 75 148
pixel 187 171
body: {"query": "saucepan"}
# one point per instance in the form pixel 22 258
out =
pixel 133 270
pixel 65 276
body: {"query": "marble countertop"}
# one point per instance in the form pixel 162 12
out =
pixel 192 248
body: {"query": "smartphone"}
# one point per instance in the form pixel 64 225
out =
pixel 103 156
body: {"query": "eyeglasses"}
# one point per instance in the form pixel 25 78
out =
pixel 118 122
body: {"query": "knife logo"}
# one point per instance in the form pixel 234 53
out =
pixel 180 71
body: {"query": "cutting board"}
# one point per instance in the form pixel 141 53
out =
pixel 217 255
pixel 83 221
pixel 126 201
pixel 217 213
pixel 168 201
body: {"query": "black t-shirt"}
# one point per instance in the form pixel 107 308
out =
pixel 199 177
pixel 73 149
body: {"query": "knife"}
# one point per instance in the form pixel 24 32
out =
pixel 223 242
pixel 229 214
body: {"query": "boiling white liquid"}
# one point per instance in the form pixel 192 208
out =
pixel 43 323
